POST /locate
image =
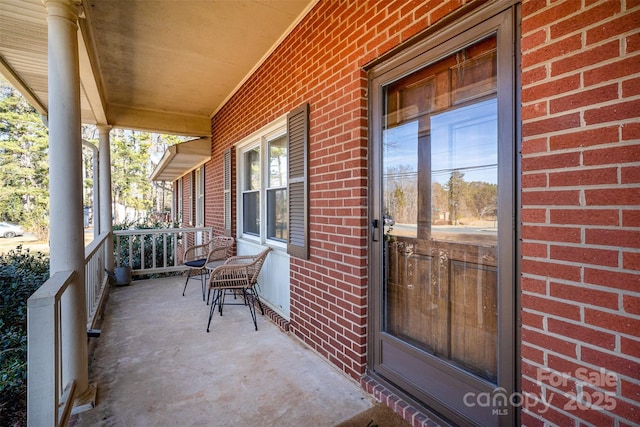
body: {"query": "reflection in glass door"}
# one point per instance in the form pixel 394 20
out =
pixel 440 185
pixel 444 325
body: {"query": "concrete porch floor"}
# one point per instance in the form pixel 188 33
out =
pixel 155 365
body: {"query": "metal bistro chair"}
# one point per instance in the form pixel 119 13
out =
pixel 237 274
pixel 197 258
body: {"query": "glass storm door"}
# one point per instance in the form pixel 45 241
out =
pixel 444 230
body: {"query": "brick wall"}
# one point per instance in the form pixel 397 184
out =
pixel 580 209
pixel 321 63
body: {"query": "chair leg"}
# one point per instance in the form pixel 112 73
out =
pixel 213 307
pixel 257 297
pixel 252 308
pixel 202 283
pixel 186 283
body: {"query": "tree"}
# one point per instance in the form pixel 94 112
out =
pixel 455 189
pixel 24 171
pixel 131 168
pixel 24 168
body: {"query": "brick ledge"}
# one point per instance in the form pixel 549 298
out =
pixel 411 414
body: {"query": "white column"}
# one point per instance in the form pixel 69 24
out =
pixel 106 209
pixel 65 183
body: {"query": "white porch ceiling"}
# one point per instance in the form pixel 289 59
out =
pixel 159 65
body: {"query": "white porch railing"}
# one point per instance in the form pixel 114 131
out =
pixel 48 404
pixel 156 250
pixel 95 278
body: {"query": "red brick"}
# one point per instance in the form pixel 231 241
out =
pixel 550 269
pixel 612 279
pixel 534 145
pixel 584 98
pixel 610 362
pixel 630 218
pixel 554 198
pixel 630 390
pixel 533 75
pixel 550 161
pixel 534 250
pixel 611 71
pixel 534 180
pixel 613 196
pixel 533 40
pixel 530 421
pixel 631 261
pixel 612 113
pixel 631 304
pixel 627 411
pixel 630 131
pixel 545 341
pixel 631 87
pixel 604 257
pixel 533 215
pixel 585 58
pixel 585 18
pixel 612 155
pixel 613 322
pixel 551 50
pixel 615 238
pixel 551 234
pixel 630 347
pixel 613 28
pixel 632 43
pixel 584 216
pixel 549 88
pixel 583 295
pixel 584 138
pixel 630 175
pixel 550 15
pixel 532 320
pixel 582 333
pixel 533 111
pixel 529 284
pixel 583 177
pixel 554 124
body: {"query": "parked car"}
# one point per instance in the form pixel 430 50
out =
pixel 10 230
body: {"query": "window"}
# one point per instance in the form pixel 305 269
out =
pixel 251 192
pixel 264 176
pixel 277 190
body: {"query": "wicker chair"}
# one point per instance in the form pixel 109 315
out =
pixel 201 258
pixel 238 274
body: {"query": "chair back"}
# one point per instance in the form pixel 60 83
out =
pixel 256 266
pixel 221 246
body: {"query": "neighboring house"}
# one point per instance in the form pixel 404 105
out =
pixel 399 109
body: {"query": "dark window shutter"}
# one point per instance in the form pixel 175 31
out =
pixel 298 187
pixel 227 191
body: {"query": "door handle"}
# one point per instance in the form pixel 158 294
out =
pixel 374 226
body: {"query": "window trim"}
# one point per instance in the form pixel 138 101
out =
pixel 260 138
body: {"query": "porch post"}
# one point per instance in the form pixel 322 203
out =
pixel 65 184
pixel 106 209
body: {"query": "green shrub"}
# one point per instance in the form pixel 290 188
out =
pixel 21 274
